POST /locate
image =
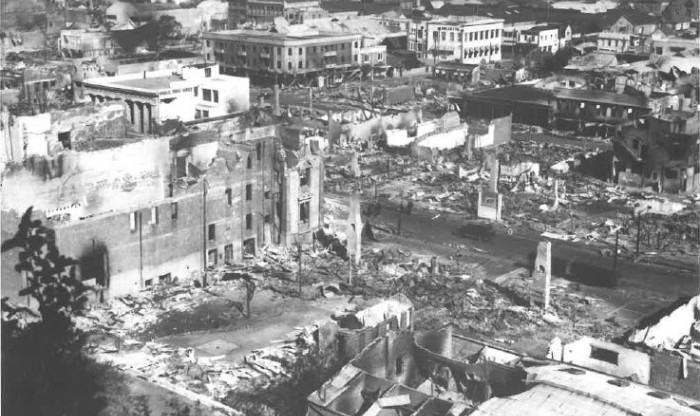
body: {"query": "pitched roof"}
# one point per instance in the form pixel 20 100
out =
pixel 637 17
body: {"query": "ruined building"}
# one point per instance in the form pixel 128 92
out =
pixel 155 210
pixel 662 152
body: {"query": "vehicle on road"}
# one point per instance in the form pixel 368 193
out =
pixel 477 230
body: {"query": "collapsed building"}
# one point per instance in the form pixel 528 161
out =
pixel 159 209
pixel 598 112
pixel 662 152
pixel 442 373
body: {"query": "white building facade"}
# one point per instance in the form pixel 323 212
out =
pixel 544 38
pixel 469 40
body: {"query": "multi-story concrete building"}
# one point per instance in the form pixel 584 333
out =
pixel 87 43
pixel 284 57
pixel 197 91
pixel 153 210
pixel 544 37
pixel 265 11
pixel 468 39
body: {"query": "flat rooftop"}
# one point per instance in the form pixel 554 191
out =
pixel 515 93
pixel 265 35
pixel 155 83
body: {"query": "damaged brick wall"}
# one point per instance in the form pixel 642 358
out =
pixel 667 374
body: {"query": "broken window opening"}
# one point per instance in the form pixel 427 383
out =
pixel 212 257
pixel 304 177
pixel 229 197
pixel 249 192
pixel 212 232
pixel 173 210
pixel 228 253
pixel 64 139
pixel 249 247
pixel 250 162
pixel 249 221
pixel 304 212
pixel 164 279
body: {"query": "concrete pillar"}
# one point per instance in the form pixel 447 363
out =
pixel 543 268
pixel 495 169
pixel 138 117
pixel 555 206
pixel 130 111
pixel 354 229
pixel 276 106
pixel 311 99
pixel 148 120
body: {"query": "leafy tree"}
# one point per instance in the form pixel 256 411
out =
pixel 44 369
pixel 168 28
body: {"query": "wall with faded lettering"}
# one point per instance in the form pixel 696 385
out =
pixel 96 182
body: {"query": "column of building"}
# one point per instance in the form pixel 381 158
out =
pixel 140 115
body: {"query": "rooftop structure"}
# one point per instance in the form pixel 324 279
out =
pixel 197 91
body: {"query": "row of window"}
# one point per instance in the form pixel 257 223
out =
pixel 301 65
pixel 471 36
pixel 290 51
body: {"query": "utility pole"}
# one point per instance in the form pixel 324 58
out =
pixel 639 233
pixel 300 274
pixel 617 242
pixel 204 232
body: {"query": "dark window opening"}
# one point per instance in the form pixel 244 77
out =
pixel 207 72
pixel 229 197
pixel 181 166
pixel 267 194
pixel 399 366
pixel 206 94
pixel 148 283
pixel 205 113
pixel 250 163
pixel 216 96
pixel 604 355
pixel 64 138
pixel 249 221
pixel 304 212
pixel 212 232
pixel 248 192
pixel 258 151
pixel 173 210
pixel 164 279
pixel 267 219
